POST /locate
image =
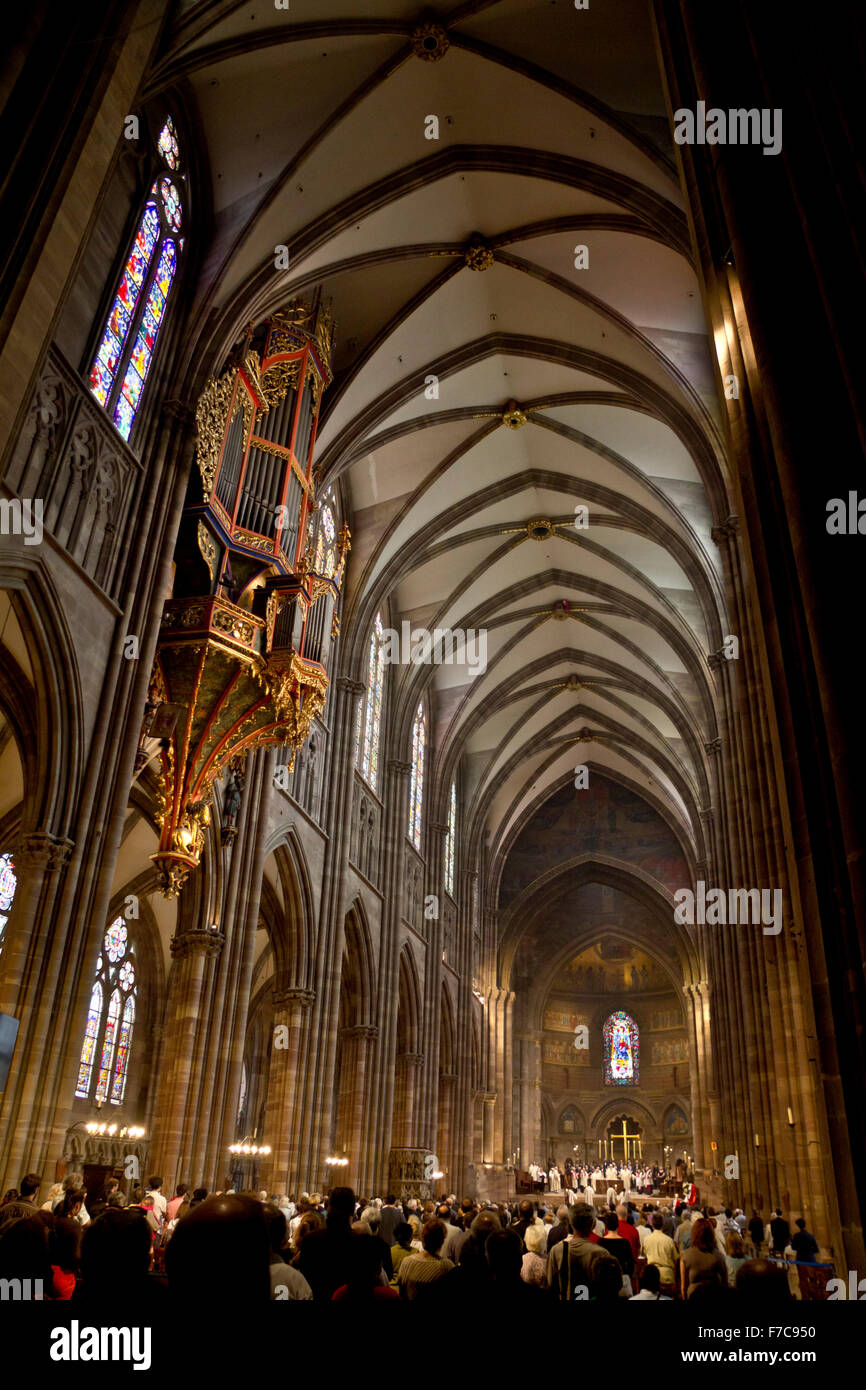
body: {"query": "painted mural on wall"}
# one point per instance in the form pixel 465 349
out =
pixel 666 1018
pixel 676 1123
pixel 606 819
pixel 666 1054
pixel 561 1052
pixel 558 1020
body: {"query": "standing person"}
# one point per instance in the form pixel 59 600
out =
pixel 73 1182
pixel 661 1254
pixel 416 1271
pixel 181 1195
pixel 780 1233
pixel 756 1233
pixel 615 1243
pixel 390 1217
pixel 702 1262
pixel 160 1205
pixel 325 1255
pixel 735 1255
pixel 533 1269
pixel 804 1244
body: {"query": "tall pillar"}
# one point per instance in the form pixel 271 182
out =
pixel 357 1050
pixel 291 1013
pixel 445 1137
pixel 184 1015
pixel 488 1131
pixel 407 1100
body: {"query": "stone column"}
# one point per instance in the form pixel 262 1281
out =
pixel 358 1050
pixel 488 1132
pixel 445 1136
pixel 529 1132
pixel 291 1012
pixel 184 1015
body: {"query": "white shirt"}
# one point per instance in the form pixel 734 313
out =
pixel 160 1204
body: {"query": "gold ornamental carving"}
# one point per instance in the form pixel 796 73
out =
pixel 513 418
pixel 210 420
pixel 478 255
pixel 207 547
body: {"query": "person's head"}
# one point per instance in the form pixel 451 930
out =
pixel 10 1195
pixel 611 1220
pixel 181 1190
pixel 444 1212
pixel 800 1223
pixel 111 1186
pixel 562 1214
pixel 364 1265
pixel 414 1225
pixel 73 1201
pixel 276 1224
pixel 485 1223
pixel 64 1239
pixel 115 1252
pixel 29 1186
pixel 154 1184
pixel 605 1279
pixel 390 1200
pixel 526 1210
pixel 777 1212
pixel 658 1221
pixel 263 1195
pixel 703 1236
pixel 403 1234
pixel 24 1249
pixel 504 1252
pixel 582 1219
pixel 341 1206
pixel 73 1181
pixel 116 1199
pixel 761 1281
pixel 734 1245
pixel 310 1221
pixel 535 1238
pixel 228 1233
pixel 622 1211
pixel 651 1279
pixel 433 1236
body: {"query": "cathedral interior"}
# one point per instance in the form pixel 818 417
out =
pixel 414 583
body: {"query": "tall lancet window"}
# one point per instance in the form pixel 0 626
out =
pixel 8 884
pixel 621 1051
pixel 370 712
pixel 104 1058
pixel 125 352
pixel 451 840
pixel 416 785
pixel 326 540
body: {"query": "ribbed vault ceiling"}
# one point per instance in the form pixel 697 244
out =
pixel 552 135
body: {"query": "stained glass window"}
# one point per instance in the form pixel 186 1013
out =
pixel 8 884
pixel 124 355
pixel 370 713
pixel 621 1051
pixel 326 543
pixel 450 841
pixel 416 785
pixel 108 1032
pixel 91 1034
pixel 168 146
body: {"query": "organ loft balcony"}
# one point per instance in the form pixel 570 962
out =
pixel 245 642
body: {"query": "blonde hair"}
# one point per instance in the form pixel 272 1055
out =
pixel 535 1238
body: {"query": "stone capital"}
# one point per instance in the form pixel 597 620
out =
pixel 199 941
pixel 449 1077
pixel 439 828
pixel 713 746
pixel 411 1059
pixel 285 998
pixel 726 530
pixel 399 767
pixel 360 1030
pixel 715 660
pixel 350 687
pixel 40 850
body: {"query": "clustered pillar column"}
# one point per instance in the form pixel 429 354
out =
pixel 191 952
pixel 291 1013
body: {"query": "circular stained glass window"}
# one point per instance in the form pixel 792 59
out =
pixel 115 941
pixel 168 146
pixel 127 975
pixel 170 203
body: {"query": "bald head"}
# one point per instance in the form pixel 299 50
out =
pixel 228 1233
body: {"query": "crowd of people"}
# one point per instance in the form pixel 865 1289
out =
pixel 338 1248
